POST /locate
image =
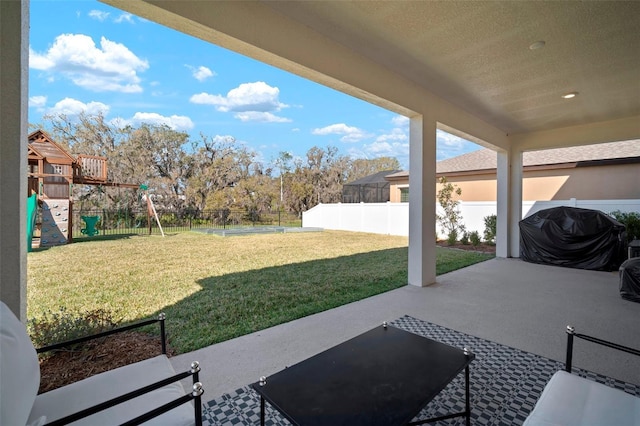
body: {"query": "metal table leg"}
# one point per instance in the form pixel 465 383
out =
pixel 467 396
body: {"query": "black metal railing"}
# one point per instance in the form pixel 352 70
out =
pixel 125 221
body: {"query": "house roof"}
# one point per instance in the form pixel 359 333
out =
pixel 486 159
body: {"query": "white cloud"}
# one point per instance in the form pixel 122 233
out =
pixel 37 101
pixel 390 143
pixel 351 134
pixel 111 67
pixel 102 16
pixel 395 143
pixel 396 134
pixel 175 122
pixel 449 145
pixel 246 100
pixel 400 121
pixel 125 17
pixel 99 15
pixel 223 139
pixel 378 149
pixel 449 140
pixel 72 107
pixel 39 62
pixel 201 73
pixel 205 99
pixel 387 149
pixel 263 117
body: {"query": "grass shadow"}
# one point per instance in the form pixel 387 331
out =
pixel 236 304
pixel 114 237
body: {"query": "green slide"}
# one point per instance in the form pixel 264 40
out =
pixel 32 207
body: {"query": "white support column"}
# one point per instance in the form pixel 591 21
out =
pixel 509 205
pixel 422 202
pixel 502 205
pixel 515 202
pixel 14 51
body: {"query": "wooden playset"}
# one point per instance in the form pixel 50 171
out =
pixel 52 172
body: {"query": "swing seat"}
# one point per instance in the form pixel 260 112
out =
pixel 90 225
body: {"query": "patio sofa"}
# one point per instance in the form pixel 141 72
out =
pixel 147 392
pixel 568 399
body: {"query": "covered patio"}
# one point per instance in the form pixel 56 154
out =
pixel 507 301
pixel 510 76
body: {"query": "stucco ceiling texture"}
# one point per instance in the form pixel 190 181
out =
pixel 477 54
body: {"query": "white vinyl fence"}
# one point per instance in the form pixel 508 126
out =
pixel 393 218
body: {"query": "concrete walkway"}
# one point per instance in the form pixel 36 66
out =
pixel 508 301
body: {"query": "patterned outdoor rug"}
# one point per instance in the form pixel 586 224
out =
pixel 505 385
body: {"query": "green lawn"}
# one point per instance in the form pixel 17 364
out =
pixel 215 288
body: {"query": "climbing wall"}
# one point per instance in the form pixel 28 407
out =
pixel 54 229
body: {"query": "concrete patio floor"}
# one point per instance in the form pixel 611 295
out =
pixel 515 303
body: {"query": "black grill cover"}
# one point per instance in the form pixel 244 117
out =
pixel 630 279
pixel 574 238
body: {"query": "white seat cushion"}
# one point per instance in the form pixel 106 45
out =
pixel 19 370
pixel 77 396
pixel 572 400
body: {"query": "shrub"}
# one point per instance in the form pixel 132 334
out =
pixel 61 326
pixel 451 219
pixel 475 238
pixel 141 221
pixel 465 238
pixel 631 221
pixel 452 237
pixel 490 228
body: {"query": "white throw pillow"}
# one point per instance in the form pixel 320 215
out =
pixel 19 370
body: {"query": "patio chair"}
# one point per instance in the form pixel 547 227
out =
pixel 568 399
pixel 146 391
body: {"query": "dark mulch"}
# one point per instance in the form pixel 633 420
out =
pixel 63 367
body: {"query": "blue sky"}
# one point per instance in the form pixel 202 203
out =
pixel 88 56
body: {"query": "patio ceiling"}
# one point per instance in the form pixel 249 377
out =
pixel 477 56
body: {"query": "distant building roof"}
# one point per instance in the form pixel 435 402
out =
pixel 374 178
pixel 400 174
pixel 486 159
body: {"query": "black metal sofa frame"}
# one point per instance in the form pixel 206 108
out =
pixel 569 399
pixel 193 372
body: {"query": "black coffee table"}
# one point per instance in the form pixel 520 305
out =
pixel 385 376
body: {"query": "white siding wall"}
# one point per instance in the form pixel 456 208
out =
pixel 393 218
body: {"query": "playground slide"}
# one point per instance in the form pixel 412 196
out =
pixel 32 207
